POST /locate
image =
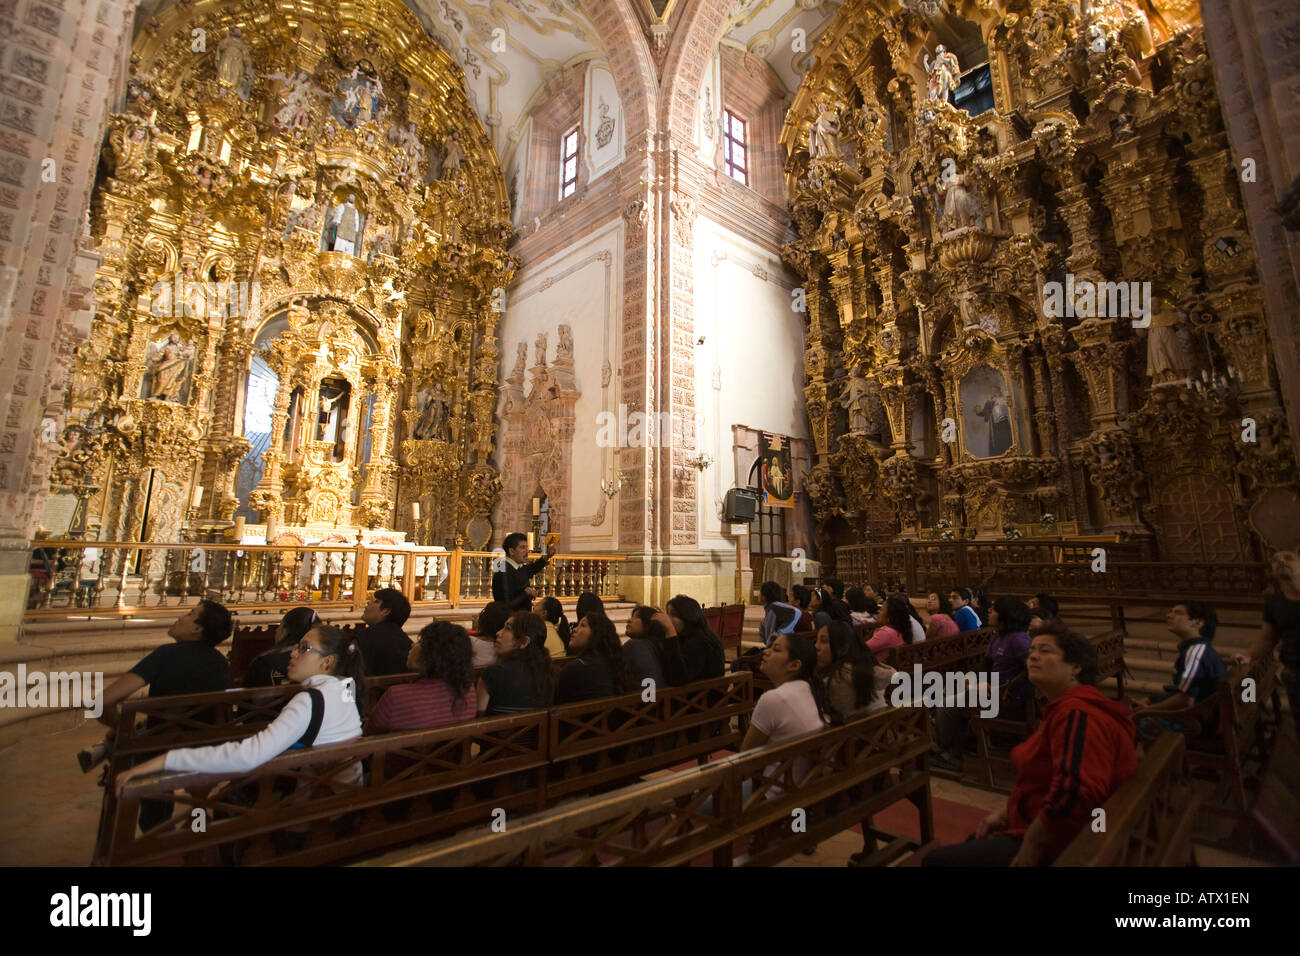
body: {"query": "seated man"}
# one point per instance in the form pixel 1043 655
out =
pixel 1081 752
pixel 383 644
pixel 962 612
pixel 1197 671
pixel 191 665
pixel 1281 626
pixel 802 598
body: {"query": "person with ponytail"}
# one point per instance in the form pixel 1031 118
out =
pixel 551 611
pixel 328 665
pixel 520 681
pixel 600 670
pixel 849 672
pixel 444 694
pixel 271 667
pixel 692 652
pixel 796 705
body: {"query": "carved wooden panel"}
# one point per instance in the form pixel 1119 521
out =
pixel 1197 521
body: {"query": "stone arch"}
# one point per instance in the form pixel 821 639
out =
pixel 701 27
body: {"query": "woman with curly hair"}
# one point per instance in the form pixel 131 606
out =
pixel 445 692
pixel 600 670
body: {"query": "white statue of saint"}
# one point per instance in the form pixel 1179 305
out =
pixel 944 71
pixel 232 55
pixel 824 139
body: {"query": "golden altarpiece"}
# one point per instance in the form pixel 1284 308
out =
pixel 961 174
pixel 303 229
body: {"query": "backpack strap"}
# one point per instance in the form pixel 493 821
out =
pixel 317 717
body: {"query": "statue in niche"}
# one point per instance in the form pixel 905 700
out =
pixel 961 206
pixel 521 360
pixel 1168 358
pixel 331 421
pixel 343 228
pixel 564 350
pixel 856 399
pixel 362 99
pixel 988 389
pixel 232 58
pixel 944 72
pixel 134 152
pixel 432 415
pixel 169 367
pixel 305 218
pixel 824 139
pixel 407 140
pixel 382 246
pixel 539 349
pixel 453 155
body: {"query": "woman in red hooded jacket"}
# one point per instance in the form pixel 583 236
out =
pixel 1080 753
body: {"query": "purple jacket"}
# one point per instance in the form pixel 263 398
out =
pixel 1007 654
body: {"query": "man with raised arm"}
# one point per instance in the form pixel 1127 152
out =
pixel 511 584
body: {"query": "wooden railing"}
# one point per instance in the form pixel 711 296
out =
pixel 1226 585
pixel 919 567
pixel 127 578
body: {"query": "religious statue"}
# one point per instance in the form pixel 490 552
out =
pixel 454 156
pixel 944 72
pixel 431 423
pixel 304 218
pixel 134 152
pixel 327 423
pixel 296 94
pixel 362 99
pixel 343 229
pixel 232 58
pixel 170 366
pixel 1167 355
pixel 412 150
pixel 539 348
pixel 998 415
pixel 961 207
pixel 824 139
pixel 521 359
pixel 564 350
pixel 856 400
pixel 382 246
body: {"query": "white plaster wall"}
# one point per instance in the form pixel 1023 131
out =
pixel 517 170
pixel 749 370
pixel 600 99
pixel 579 287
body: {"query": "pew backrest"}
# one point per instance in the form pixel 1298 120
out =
pixel 1148 818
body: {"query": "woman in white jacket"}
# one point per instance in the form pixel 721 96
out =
pixel 326 661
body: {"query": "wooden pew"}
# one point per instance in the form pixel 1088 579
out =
pixel 700 813
pixel 461 773
pixel 1226 733
pixel 1148 819
pixel 964 651
pixel 251 640
pixel 732 625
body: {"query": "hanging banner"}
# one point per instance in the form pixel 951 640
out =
pixel 776 471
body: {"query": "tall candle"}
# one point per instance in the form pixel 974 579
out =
pixel 537 507
pixel 415 510
pixel 197 498
pixel 239 530
pixel 272 526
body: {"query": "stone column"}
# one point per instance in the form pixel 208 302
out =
pixel 60 69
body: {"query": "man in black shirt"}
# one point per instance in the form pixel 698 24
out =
pixel 1282 626
pixel 192 665
pixel 384 646
pixel 510 585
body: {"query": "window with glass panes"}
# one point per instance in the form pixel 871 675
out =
pixel 766 539
pixel 569 163
pixel 735 146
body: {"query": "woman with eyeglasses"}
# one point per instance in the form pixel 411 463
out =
pixel 520 681
pixel 328 665
pixel 271 667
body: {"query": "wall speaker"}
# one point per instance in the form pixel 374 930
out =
pixel 740 506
